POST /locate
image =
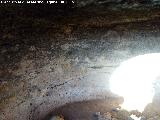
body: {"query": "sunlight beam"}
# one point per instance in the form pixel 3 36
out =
pixel 134 79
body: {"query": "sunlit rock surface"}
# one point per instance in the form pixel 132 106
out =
pixel 48 60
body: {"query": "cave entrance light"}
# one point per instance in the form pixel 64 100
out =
pixel 134 80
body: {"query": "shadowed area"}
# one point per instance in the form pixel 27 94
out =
pixel 86 110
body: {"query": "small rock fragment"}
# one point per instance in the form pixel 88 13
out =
pixel 57 118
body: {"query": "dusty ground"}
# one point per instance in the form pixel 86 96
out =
pixel 51 58
pixel 86 110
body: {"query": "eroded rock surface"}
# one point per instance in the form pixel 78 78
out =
pixel 46 62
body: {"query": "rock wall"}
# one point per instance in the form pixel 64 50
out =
pixel 125 3
pixel 48 62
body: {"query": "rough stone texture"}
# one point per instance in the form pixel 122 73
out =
pixel 124 3
pixel 46 62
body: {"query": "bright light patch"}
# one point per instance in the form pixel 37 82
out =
pixel 134 80
pixel 135 118
pixel 62 1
